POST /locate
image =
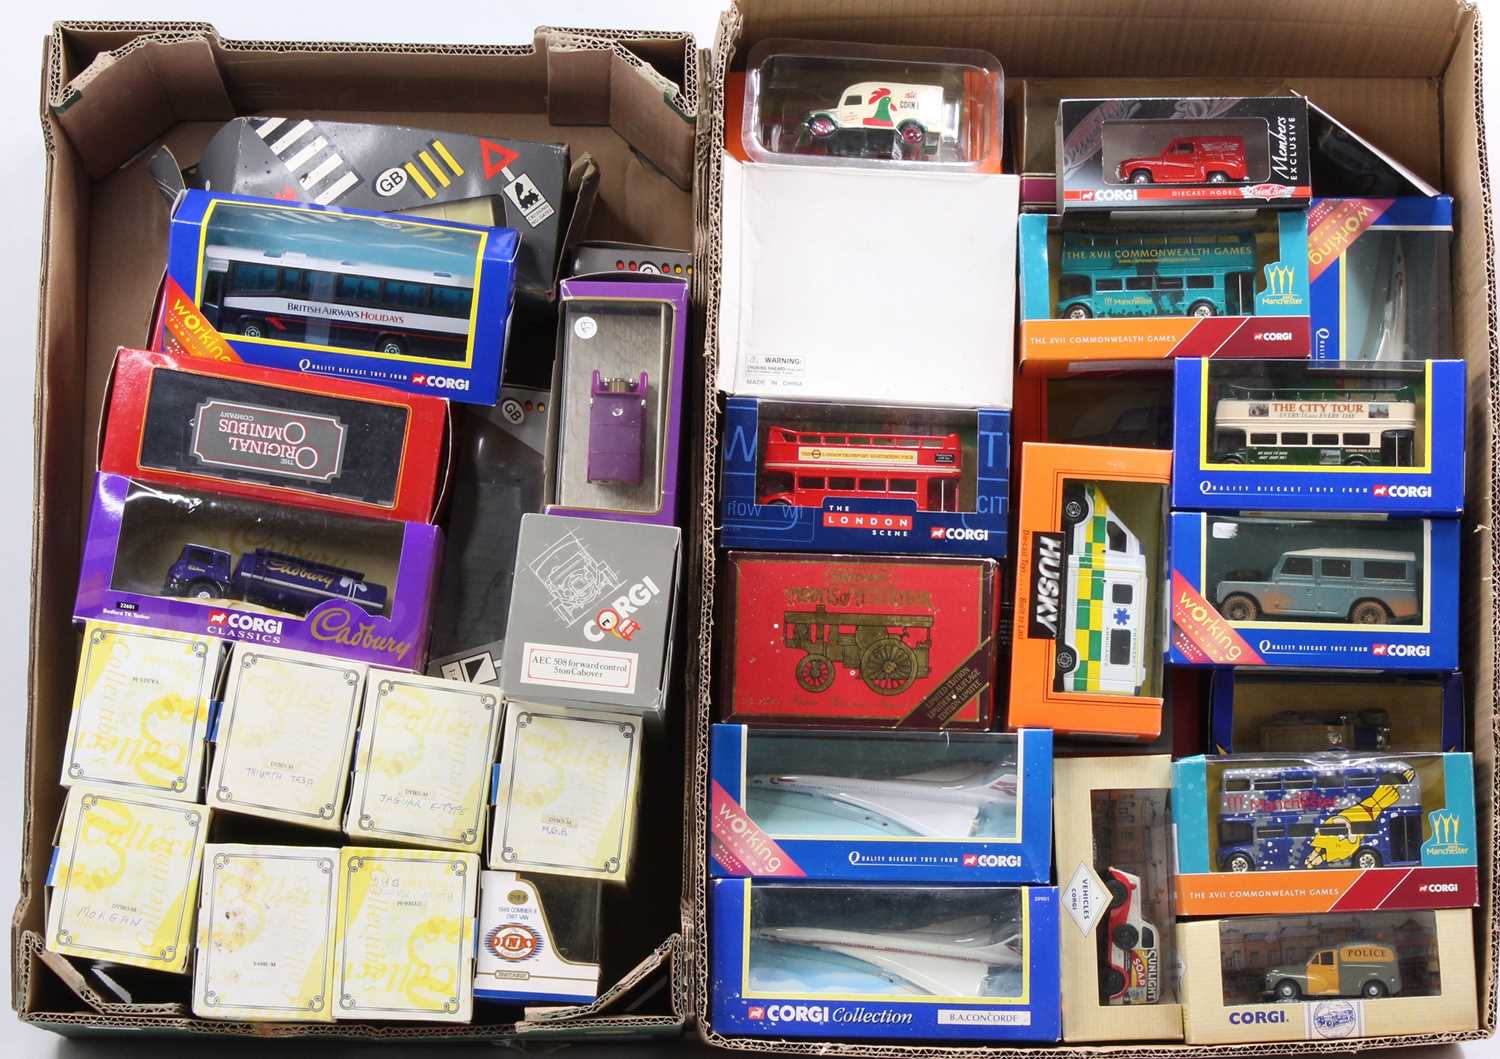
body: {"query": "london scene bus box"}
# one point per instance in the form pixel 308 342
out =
pixel 592 613
pixel 1350 832
pixel 1318 436
pixel 974 963
pixel 332 444
pixel 1087 638
pixel 421 304
pixel 859 640
pixel 1226 152
pixel 865 478
pixel 1103 292
pixel 1278 712
pixel 617 384
pixel 1314 591
pixel 847 806
pixel 264 573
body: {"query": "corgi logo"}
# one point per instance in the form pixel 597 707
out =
pixel 971 860
pixel 246 622
pixel 1112 195
pixel 1402 650
pixel 959 533
pixel 796 1013
pixel 218 617
pixel 1273 336
pixel 1251 1018
pixel 1439 888
pixel 755 1013
pixel 439 382
pixel 611 622
pixel 1085 196
pixel 615 619
pixel 992 860
pixel 1403 492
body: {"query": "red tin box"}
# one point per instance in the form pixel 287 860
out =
pixel 860 640
pixel 263 433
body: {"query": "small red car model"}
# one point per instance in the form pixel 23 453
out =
pixel 1190 160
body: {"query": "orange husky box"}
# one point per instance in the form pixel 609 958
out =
pixel 1088 644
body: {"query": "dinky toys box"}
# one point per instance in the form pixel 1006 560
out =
pixel 1314 591
pixel 890 962
pixel 864 478
pixel 1225 152
pixel 538 939
pixel 251 570
pixel 1349 832
pixel 592 614
pixel 282 436
pixel 859 640
pixel 930 807
pixel 1087 638
pixel 1319 436
pixel 419 304
pixel 1102 292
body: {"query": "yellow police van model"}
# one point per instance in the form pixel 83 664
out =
pixel 1106 598
pixel 1355 969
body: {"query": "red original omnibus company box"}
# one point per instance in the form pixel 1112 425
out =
pixel 857 640
pixel 331 444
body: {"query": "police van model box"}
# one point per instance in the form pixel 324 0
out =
pixel 591 614
pixel 1324 833
pixel 890 962
pixel 1314 591
pixel 846 806
pixel 1316 436
pixel 265 573
pixel 420 304
pixel 806 476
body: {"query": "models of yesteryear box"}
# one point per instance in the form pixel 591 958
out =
pixel 566 791
pixel 124 878
pixel 141 708
pixel 538 939
pixel 265 933
pixel 285 735
pixel 1316 436
pixel 859 640
pixel 864 478
pixel 1314 591
pixel 1087 639
pixel 264 573
pixel 419 304
pixel 929 807
pixel 1279 712
pixel 282 436
pixel 887 962
pixel 1227 152
pixel 1382 288
pixel 1324 833
pixel 592 613
pixel 405 934
pixel 1104 292
pixel 1327 978
pixel 422 767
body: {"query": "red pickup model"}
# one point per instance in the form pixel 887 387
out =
pixel 1189 160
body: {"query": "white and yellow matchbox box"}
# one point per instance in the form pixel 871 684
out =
pixel 1327 977
pixel 124 878
pixel 422 766
pixel 1113 866
pixel 405 934
pixel 141 709
pixel 285 735
pixel 265 933
pixel 565 802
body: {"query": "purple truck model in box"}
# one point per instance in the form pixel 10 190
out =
pixel 269 579
pixel 617 423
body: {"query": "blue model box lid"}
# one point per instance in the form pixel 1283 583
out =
pixel 419 304
pixel 846 806
pixel 1309 436
pixel 830 962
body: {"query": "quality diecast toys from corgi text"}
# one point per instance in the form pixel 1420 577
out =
pixel 1314 436
pixel 1344 832
pixel 1314 591
pixel 890 962
pixel 815 477
pixel 880 806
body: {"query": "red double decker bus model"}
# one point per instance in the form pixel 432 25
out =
pixel 802 468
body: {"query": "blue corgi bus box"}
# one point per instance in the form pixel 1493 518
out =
pixel 1307 435
pixel 880 806
pixel 974 963
pixel 808 476
pixel 1314 591
pixel 418 304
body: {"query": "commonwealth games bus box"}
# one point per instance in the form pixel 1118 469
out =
pixel 1324 833
pixel 416 303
